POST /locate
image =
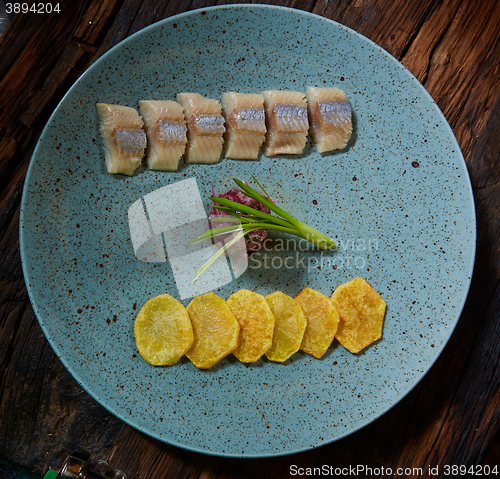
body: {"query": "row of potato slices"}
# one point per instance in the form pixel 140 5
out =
pixel 249 325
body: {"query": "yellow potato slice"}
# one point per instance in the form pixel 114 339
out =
pixel 215 330
pixel 361 312
pixel 322 321
pixel 289 327
pixel 163 331
pixel 257 324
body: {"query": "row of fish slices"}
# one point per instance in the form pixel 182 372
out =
pixel 196 127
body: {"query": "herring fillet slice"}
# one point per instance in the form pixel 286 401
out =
pixel 166 131
pixel 205 128
pixel 287 122
pixel 124 140
pixel 330 116
pixel 245 125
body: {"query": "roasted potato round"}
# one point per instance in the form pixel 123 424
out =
pixel 289 327
pixel 257 324
pixel 215 329
pixel 361 312
pixel 163 331
pixel 322 321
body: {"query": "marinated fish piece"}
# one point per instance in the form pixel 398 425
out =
pixel 322 322
pixel 124 140
pixel 215 329
pixel 205 128
pixel 287 122
pixel 256 322
pixel 167 133
pixel 245 125
pixel 289 326
pixel 330 117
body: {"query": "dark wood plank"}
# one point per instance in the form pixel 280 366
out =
pixel 418 56
pixel 37 53
pixel 480 319
pixel 144 457
pixel 392 25
pixel 152 12
pixel 121 26
pixel 461 67
pixel 13 42
pixel 96 20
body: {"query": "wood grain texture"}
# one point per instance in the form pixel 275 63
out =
pixel 451 417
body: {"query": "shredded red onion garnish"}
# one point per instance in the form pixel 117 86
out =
pixel 253 239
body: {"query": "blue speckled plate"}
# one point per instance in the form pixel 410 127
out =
pixel 398 200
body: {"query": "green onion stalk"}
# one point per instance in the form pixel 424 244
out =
pixel 247 219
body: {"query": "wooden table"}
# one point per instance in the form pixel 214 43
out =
pixel 450 418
